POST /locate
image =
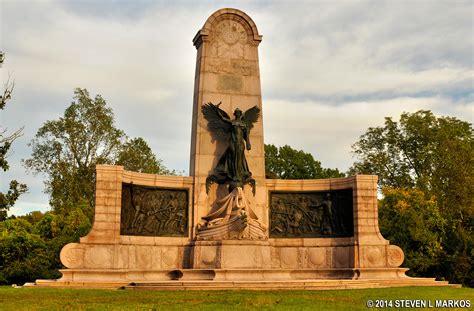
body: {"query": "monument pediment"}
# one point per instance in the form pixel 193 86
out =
pixel 230 25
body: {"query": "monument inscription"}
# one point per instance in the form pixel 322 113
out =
pixel 311 214
pixel 152 211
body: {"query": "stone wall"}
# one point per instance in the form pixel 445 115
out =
pixel 105 248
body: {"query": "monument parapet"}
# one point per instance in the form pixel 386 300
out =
pixel 227 225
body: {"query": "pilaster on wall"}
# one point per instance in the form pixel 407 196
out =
pixel 108 196
pixel 372 250
pixel 366 223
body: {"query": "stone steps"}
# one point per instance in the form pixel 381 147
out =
pixel 243 285
pixel 237 279
pixel 283 285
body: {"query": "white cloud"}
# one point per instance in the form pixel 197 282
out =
pixel 369 47
pixel 328 131
pixel 24 207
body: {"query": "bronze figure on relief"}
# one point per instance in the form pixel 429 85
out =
pixel 232 168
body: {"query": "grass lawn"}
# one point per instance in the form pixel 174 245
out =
pixel 95 299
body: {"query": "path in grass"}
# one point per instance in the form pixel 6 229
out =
pixel 94 299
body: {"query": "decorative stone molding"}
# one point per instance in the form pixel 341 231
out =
pixel 395 256
pixel 229 15
pixel 72 256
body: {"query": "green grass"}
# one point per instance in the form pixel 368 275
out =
pixel 95 299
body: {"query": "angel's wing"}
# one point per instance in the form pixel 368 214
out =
pixel 214 116
pixel 251 116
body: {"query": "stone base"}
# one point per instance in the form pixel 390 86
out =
pixel 253 279
pixel 231 254
pixel 106 258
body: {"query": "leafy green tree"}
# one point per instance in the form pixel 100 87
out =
pixel 15 188
pixel 423 225
pixel 135 155
pixel 67 150
pixel 15 226
pixel 421 150
pixel 24 256
pixel 32 217
pixel 30 245
pixel 434 155
pixel 58 230
pixel 288 163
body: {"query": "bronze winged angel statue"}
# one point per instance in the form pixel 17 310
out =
pixel 232 168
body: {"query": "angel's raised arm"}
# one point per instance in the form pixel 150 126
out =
pixel 221 114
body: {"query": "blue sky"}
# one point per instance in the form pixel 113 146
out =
pixel 329 69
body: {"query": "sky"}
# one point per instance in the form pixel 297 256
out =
pixel 329 70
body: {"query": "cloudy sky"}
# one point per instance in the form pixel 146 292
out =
pixel 329 69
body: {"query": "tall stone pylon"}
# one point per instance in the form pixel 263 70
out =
pixel 227 72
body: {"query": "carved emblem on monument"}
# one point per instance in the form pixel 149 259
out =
pixel 311 214
pixel 231 32
pixel 231 217
pixel 151 211
pixel 228 39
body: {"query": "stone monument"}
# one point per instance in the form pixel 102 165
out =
pixel 226 226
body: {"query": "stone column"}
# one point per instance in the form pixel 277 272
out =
pixel 227 71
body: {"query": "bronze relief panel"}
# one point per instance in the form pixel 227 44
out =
pixel 153 211
pixel 315 214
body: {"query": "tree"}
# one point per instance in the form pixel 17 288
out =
pixel 135 155
pixel 32 217
pixel 15 189
pixel 30 245
pixel 434 155
pixel 67 150
pixel 288 163
pixel 414 222
pixel 24 256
